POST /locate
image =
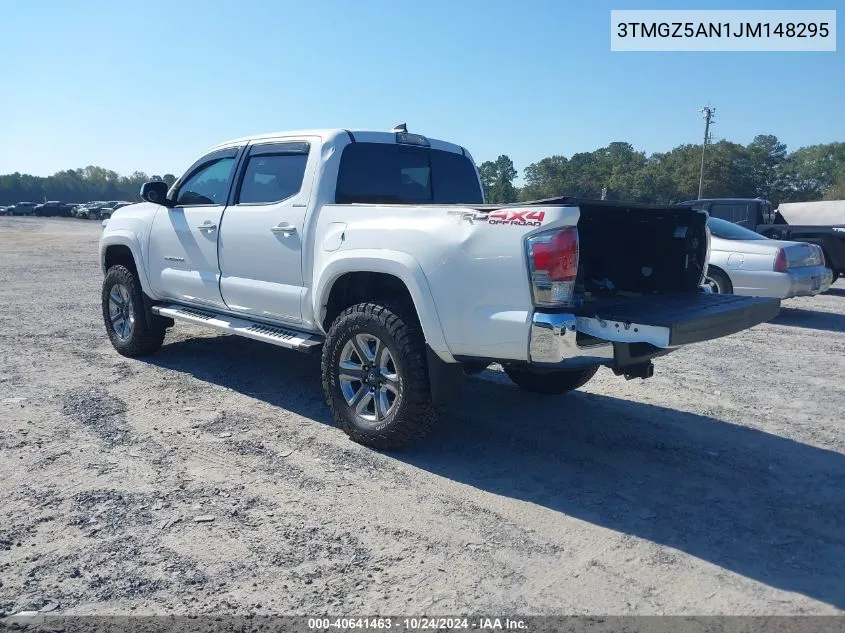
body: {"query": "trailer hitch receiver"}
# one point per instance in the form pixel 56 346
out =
pixel 640 370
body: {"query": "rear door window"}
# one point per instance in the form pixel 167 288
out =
pixel 272 177
pixel 455 179
pixel 405 174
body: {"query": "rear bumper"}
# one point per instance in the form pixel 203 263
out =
pixel 557 343
pixel 655 325
pixel 809 281
pixel 554 341
pixel 798 282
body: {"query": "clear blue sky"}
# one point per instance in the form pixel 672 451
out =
pixel 148 85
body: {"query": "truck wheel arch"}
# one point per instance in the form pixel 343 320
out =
pixel 119 254
pixel 123 248
pixel 358 279
pixel 361 286
pixel 123 251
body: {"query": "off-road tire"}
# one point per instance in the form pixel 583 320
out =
pixel 551 383
pixel 396 326
pixel 143 339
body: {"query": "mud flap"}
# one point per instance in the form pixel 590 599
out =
pixel 445 379
pixel 154 320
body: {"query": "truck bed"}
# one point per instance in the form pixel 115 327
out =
pixel 689 317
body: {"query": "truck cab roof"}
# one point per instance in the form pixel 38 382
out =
pixel 332 135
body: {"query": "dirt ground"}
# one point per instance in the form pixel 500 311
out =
pixel 716 487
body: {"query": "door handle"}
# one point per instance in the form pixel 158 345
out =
pixel 207 226
pixel 284 229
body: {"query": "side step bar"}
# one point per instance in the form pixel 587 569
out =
pixel 273 334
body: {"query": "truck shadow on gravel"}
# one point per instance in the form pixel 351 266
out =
pixel 753 503
pixel 799 317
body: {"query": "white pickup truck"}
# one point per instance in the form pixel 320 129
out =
pixel 378 249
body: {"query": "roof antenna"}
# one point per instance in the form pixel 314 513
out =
pixel 402 127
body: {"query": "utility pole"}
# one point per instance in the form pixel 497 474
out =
pixel 707 112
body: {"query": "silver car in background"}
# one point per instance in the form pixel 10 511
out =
pixel 743 262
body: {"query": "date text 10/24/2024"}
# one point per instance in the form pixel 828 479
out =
pixel 417 624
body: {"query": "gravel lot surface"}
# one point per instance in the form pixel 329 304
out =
pixel 210 478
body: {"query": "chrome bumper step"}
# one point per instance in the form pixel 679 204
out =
pixel 273 334
pixel 665 322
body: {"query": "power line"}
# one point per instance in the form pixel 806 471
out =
pixel 708 113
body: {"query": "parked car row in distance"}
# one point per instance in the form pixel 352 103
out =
pixel 97 210
pixel 21 208
pixel 53 209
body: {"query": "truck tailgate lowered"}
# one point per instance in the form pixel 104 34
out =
pixel 675 319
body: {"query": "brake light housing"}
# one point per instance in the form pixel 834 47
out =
pixel 781 262
pixel 553 267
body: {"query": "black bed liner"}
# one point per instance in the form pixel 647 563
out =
pixel 690 317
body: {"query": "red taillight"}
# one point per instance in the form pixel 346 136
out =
pixel 553 259
pixel 558 256
pixel 781 263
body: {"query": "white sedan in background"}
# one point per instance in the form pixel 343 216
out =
pixel 743 262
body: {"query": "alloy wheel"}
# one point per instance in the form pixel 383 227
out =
pixel 121 311
pixel 369 378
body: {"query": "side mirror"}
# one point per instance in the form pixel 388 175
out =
pixel 155 191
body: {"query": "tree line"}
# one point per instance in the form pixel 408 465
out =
pixel 75 185
pixel 763 168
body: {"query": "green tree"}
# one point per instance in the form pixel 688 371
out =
pixel 497 179
pixel 810 172
pixel 726 172
pixel 766 157
pixel 837 188
pixel 72 185
pixel 616 167
pixel 545 179
pixel 619 167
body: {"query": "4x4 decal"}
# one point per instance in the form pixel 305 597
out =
pixel 517 218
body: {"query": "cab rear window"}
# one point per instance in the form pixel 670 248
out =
pixel 405 174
